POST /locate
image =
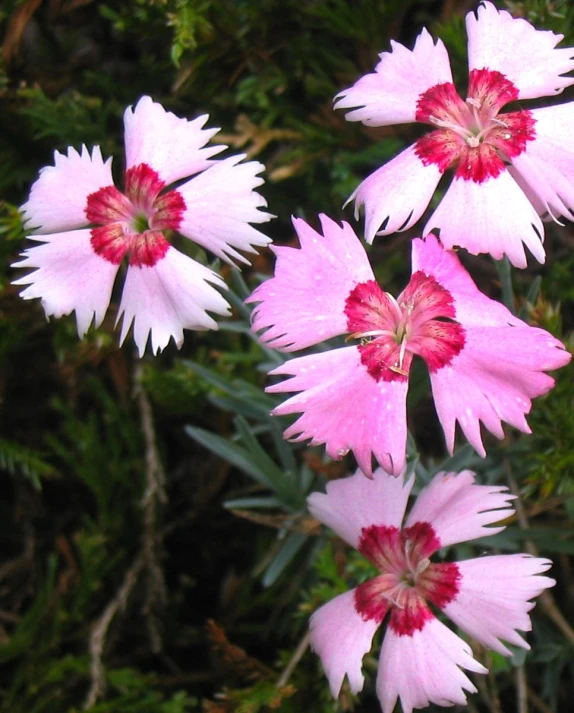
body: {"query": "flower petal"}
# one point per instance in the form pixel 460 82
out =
pixel 220 204
pixel 353 503
pixel 58 199
pixel 525 55
pixel 425 668
pixel 69 276
pixel 396 195
pixel 493 379
pixel 390 94
pixel 341 637
pixel 170 145
pixel 345 408
pixel 168 297
pixel 458 509
pixel 305 302
pixel 472 307
pixel 494 596
pixel 547 163
pixel 490 217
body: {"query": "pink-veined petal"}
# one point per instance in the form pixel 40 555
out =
pixel 170 145
pixel 396 195
pixel 494 596
pixel 304 303
pixel 472 307
pixel 460 510
pixel 493 379
pixel 58 198
pixel 526 56
pixel 345 408
pixel 425 668
pixel 353 503
pixel 389 95
pixel 220 204
pixel 341 637
pixel 490 217
pixel 547 163
pixel 164 299
pixel 70 276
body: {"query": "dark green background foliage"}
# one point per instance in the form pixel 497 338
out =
pixel 156 554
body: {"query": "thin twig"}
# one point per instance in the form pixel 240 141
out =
pixel 547 602
pixel 100 630
pixel 156 590
pixel 522 689
pixel 294 660
pixel 538 703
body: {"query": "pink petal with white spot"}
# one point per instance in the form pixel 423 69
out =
pixel 170 145
pixel 69 276
pixel 58 198
pixel 353 503
pixel 396 195
pixel 164 299
pixel 305 302
pixel 494 598
pixel 341 637
pixel 390 94
pixel 425 668
pixel 493 379
pixel 472 307
pixel 525 55
pixel 220 204
pixel 490 217
pixel 460 510
pixel 345 408
pixel 547 163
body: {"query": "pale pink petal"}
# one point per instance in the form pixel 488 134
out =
pixel 220 204
pixel 345 408
pixel 525 55
pixel 425 668
pixel 547 163
pixel 460 510
pixel 170 145
pixel 472 307
pixel 168 297
pixel 58 198
pixel 341 637
pixel 494 596
pixel 396 195
pixel 69 276
pixel 352 503
pixel 390 94
pixel 305 302
pixel 490 217
pixel 493 379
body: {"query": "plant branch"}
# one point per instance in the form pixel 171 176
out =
pixel 546 599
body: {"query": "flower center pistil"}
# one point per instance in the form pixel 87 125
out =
pixel 471 137
pixel 134 222
pixel 408 580
pixel 391 330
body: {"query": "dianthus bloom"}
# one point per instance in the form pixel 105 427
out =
pixel 509 168
pixel 88 226
pixel 485 364
pixel 488 597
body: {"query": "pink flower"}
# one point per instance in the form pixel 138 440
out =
pixel 484 363
pixel 88 226
pixel 488 597
pixel 508 168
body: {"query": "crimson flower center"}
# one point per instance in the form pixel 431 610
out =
pixel 472 137
pixel 420 321
pixel 134 222
pixel 408 580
